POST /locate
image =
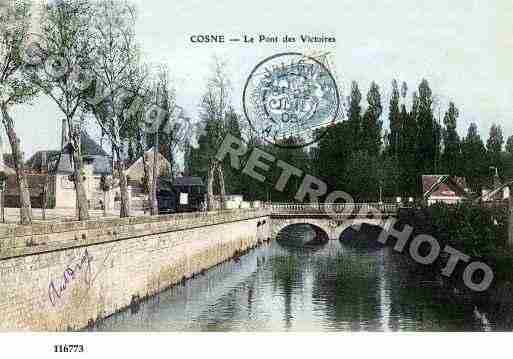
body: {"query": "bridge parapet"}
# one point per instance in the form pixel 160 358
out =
pixel 332 218
pixel 335 209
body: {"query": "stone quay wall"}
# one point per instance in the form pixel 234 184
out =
pixel 65 276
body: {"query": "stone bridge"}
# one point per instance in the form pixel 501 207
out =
pixel 329 220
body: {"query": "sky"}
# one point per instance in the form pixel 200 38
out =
pixel 463 48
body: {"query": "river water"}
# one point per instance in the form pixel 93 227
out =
pixel 348 285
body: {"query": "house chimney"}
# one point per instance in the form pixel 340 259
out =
pixel 64 133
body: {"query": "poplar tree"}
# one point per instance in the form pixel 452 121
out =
pixel 408 155
pixel 354 115
pixel 394 117
pixel 494 146
pixel 451 157
pixel 371 123
pixel 427 130
pixel 507 160
pixel 475 167
pixel 509 145
pixel 332 155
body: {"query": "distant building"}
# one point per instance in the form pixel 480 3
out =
pixel 135 171
pixel 499 192
pixel 51 169
pixel 49 172
pixel 444 188
pixel 135 176
pixel 183 194
pixel 232 201
pixel 489 195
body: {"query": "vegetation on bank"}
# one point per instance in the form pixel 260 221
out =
pixel 477 231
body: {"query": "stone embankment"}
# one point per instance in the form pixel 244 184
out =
pixel 62 276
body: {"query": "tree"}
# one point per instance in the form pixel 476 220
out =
pixel 475 165
pixel 172 132
pixel 451 157
pixel 232 177
pixel 135 132
pixel 394 118
pixel 437 145
pixel 14 88
pixel 176 127
pixel 410 176
pixel 214 107
pixel 58 65
pixel 354 115
pixel 296 157
pixel 494 146
pixel 363 177
pixel 509 144
pixel 427 145
pixel 371 124
pixel 389 175
pixel 404 90
pixel 332 155
pixel 117 69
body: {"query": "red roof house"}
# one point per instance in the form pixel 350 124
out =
pixel 443 188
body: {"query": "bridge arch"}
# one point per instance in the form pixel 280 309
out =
pixel 356 223
pixel 279 225
pixel 332 228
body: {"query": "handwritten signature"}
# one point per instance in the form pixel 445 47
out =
pixel 56 289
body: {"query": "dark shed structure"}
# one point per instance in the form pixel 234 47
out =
pixel 184 194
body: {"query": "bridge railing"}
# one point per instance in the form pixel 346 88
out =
pixel 349 209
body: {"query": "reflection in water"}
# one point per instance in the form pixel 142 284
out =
pixel 351 284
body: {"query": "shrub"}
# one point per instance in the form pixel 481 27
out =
pixel 472 228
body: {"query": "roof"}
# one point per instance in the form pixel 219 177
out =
pixel 101 161
pixel 136 170
pixel 89 147
pixel 167 184
pixel 164 184
pixel 35 162
pixel 497 193
pixel 443 186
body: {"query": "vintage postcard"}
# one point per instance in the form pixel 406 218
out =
pixel 260 166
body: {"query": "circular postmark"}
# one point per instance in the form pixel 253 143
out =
pixel 291 95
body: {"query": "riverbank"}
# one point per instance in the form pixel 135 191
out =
pixel 66 276
pixel 477 231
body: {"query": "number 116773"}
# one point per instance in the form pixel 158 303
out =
pixel 68 348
